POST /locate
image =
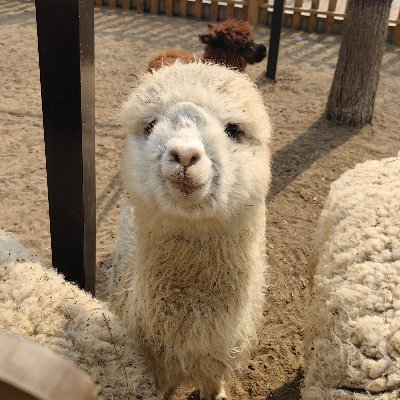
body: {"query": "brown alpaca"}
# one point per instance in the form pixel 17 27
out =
pixel 168 57
pixel 229 43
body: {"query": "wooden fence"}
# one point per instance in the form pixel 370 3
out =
pixel 308 15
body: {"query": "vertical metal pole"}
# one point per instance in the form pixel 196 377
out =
pixel 275 37
pixel 65 31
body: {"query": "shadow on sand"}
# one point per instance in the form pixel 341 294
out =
pixel 297 156
pixel 290 390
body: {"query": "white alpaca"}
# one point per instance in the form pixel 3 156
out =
pixel 191 257
pixel 38 304
pixel 352 333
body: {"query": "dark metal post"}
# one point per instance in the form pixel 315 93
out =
pixel 66 56
pixel 275 37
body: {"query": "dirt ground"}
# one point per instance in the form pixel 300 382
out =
pixel 308 154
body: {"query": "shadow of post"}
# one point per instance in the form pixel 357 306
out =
pixel 297 156
pixel 290 390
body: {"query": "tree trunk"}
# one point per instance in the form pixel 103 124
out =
pixel 352 96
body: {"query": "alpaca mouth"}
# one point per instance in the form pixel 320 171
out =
pixel 256 53
pixel 185 188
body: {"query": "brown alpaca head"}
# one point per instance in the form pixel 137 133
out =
pixel 231 43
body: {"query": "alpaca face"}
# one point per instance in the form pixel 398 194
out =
pixel 254 53
pixel 196 143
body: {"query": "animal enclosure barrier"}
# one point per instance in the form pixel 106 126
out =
pixel 322 16
pixel 66 58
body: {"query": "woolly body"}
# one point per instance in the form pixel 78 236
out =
pixel 38 304
pixel 168 57
pixel 190 263
pixel 229 43
pixel 353 332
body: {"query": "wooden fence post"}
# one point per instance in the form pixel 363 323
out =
pixel 230 10
pixel 65 31
pixel 396 31
pixel 275 37
pixel 140 6
pixel 198 9
pixel 154 6
pixel 313 18
pixel 169 8
pixel 126 4
pixel 183 8
pixel 330 19
pixel 214 10
pixel 252 11
pixel 296 21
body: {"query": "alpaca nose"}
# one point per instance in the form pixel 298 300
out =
pixel 185 155
pixel 261 52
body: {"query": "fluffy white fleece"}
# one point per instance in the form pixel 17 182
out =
pixel 353 322
pixel 190 263
pixel 38 304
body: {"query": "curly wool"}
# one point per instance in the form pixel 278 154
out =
pixel 38 304
pixel 353 332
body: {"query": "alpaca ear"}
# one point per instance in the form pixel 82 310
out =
pixel 211 26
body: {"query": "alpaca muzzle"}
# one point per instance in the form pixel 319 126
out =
pixel 185 165
pixel 254 53
pixel 261 52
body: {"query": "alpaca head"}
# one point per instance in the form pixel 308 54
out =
pixel 197 143
pixel 231 43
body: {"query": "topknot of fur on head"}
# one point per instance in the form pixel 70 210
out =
pixel 197 143
pixel 232 35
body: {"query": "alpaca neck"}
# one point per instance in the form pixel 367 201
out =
pixel 221 56
pixel 162 225
pixel 189 247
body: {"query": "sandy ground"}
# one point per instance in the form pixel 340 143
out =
pixel 308 154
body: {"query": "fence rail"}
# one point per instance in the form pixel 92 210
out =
pixel 308 15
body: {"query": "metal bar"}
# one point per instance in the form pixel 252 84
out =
pixel 65 31
pixel 275 37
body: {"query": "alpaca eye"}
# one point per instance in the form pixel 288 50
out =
pixel 233 130
pixel 149 127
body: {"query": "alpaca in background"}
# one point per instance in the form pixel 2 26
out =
pixel 228 43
